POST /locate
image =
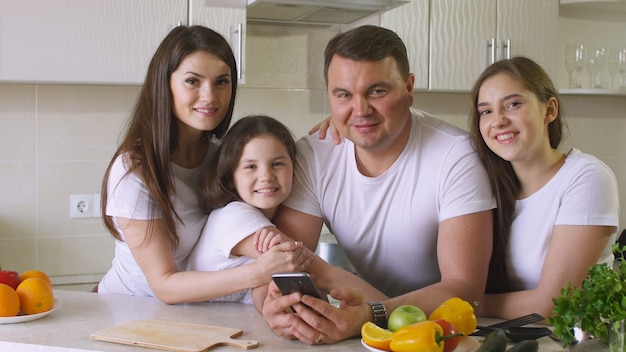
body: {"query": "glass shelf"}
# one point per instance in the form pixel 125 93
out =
pixel 589 91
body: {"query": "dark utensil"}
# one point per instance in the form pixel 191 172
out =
pixel 513 323
pixel 517 334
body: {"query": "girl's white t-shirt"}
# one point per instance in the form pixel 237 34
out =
pixel 583 192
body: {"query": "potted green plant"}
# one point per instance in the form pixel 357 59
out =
pixel 597 306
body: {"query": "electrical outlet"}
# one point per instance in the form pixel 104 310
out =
pixel 81 206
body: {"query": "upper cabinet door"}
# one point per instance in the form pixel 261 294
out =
pixel 467 36
pixel 228 17
pixel 462 37
pixel 532 29
pixel 83 41
pixel 410 22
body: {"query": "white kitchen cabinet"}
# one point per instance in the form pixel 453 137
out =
pixel 83 41
pixel 410 22
pixel 466 36
pixel 228 17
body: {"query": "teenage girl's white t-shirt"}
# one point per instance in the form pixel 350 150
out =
pixel 583 192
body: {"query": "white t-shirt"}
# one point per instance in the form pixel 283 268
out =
pixel 388 225
pixel 129 198
pixel 224 229
pixel 583 192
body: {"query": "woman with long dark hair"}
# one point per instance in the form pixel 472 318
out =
pixel 150 189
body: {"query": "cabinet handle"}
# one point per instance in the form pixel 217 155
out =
pixel 507 48
pixel 491 51
pixel 239 32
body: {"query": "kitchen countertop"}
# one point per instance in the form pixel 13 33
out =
pixel 83 313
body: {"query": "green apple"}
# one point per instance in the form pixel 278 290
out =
pixel 405 315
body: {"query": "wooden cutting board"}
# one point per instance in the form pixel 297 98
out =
pixel 172 336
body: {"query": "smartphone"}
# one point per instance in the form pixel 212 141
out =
pixel 298 282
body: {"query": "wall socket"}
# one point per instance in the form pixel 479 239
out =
pixel 84 206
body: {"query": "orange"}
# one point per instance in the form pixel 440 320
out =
pixel 35 273
pixel 375 336
pixel 9 301
pixel 36 296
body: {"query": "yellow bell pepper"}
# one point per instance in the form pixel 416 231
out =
pixel 425 336
pixel 457 312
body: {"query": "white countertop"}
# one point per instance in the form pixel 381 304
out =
pixel 83 313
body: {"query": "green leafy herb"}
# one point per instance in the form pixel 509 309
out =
pixel 600 300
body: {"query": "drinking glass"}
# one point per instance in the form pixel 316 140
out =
pixel 595 63
pixel 574 64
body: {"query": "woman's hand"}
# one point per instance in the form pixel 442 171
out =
pixel 285 257
pixel 327 125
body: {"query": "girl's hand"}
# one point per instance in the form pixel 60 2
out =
pixel 327 125
pixel 267 237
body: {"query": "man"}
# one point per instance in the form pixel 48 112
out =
pixel 405 195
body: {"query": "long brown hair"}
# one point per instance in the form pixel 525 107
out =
pixel 218 185
pixel 504 181
pixel 152 133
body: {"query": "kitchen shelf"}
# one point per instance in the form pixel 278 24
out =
pixel 588 91
pixel 614 10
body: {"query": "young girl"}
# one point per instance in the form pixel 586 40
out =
pixel 252 176
pixel 557 213
pixel 149 191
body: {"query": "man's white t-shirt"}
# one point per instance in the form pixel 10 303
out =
pixel 388 225
pixel 583 192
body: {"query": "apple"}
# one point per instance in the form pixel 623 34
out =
pixel 11 278
pixel 405 315
pixel 449 344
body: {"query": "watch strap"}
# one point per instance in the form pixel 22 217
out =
pixel 380 314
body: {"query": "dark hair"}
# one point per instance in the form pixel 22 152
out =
pixel 218 187
pixel 504 182
pixel 367 43
pixel 152 133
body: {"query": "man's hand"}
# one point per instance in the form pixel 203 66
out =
pixel 315 321
pixel 334 324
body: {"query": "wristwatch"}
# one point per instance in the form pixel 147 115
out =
pixel 380 314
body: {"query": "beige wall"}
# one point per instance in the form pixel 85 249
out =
pixel 56 140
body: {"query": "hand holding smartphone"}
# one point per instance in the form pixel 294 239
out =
pixel 298 282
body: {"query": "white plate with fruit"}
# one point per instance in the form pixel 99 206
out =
pixel 26 296
pixel 28 317
pixel 466 344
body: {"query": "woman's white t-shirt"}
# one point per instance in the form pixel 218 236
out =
pixel 129 198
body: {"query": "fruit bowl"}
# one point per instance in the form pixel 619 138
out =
pixel 24 318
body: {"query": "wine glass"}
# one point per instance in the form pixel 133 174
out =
pixel 574 64
pixel 621 68
pixel 596 62
pixel 612 64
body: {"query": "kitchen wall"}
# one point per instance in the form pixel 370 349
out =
pixel 57 140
